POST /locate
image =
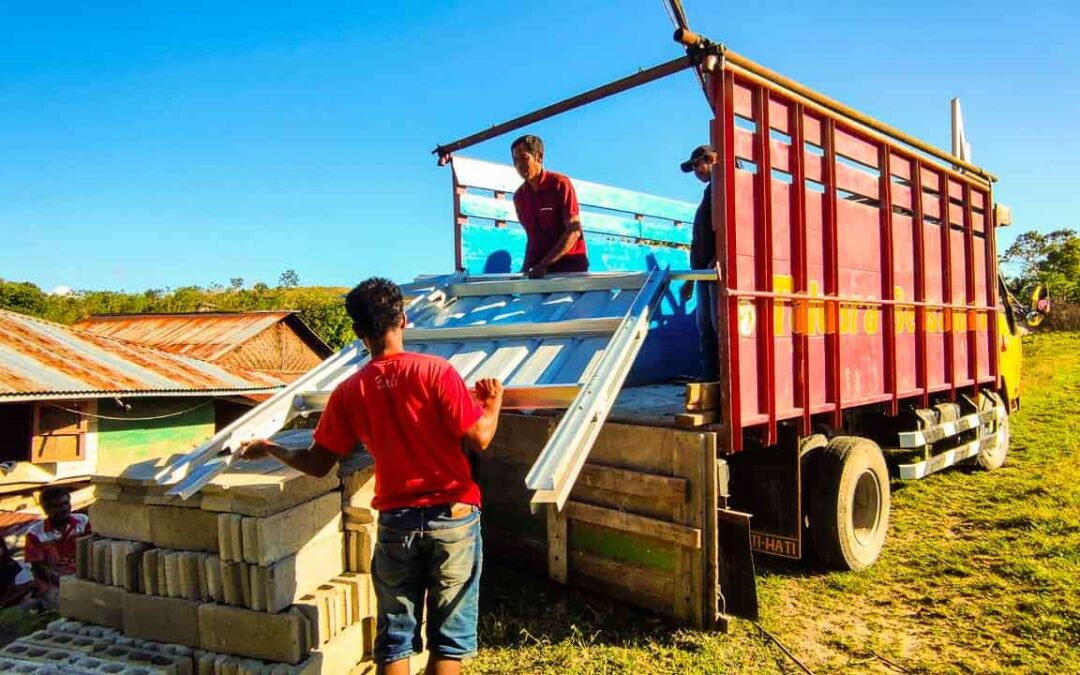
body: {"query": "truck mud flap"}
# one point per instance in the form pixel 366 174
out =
pixel 735 565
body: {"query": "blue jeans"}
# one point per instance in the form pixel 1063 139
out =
pixel 420 552
pixel 706 325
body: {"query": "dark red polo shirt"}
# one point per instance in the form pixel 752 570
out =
pixel 411 411
pixel 544 214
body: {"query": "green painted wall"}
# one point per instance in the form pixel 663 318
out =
pixel 122 443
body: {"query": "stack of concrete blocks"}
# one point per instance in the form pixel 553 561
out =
pixel 358 489
pixel 249 574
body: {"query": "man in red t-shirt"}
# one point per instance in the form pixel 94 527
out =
pixel 412 412
pixel 50 543
pixel 547 208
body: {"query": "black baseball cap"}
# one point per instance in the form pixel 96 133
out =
pixel 699 152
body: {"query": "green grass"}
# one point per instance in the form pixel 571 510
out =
pixel 981 573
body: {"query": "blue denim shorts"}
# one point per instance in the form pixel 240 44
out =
pixel 425 558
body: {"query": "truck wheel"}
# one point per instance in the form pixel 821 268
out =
pixel 993 456
pixel 849 503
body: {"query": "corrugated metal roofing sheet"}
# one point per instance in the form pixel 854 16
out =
pixel 41 359
pixel 566 341
pixel 202 335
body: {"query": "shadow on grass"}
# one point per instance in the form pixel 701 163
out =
pixel 16 622
pixel 520 609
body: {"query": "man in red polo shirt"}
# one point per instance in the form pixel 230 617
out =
pixel 50 543
pixel 412 412
pixel 547 208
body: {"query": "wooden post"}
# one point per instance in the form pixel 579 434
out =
pixel 556 534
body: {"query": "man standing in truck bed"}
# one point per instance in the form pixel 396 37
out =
pixel 412 412
pixel 547 208
pixel 703 257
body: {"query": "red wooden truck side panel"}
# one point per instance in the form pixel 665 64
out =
pixel 854 270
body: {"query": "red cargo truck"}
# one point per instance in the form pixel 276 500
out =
pixel 863 328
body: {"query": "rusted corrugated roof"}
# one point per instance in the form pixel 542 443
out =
pixel 202 335
pixel 44 359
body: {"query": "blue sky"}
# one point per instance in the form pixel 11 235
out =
pixel 152 145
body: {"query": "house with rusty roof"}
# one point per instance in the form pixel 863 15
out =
pixel 75 402
pixel 278 343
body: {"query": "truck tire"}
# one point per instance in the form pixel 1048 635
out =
pixel 849 503
pixel 993 456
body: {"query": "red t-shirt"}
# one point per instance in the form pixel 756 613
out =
pixel 410 411
pixel 55 547
pixel 544 214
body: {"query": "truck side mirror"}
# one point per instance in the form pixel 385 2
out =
pixel 1040 306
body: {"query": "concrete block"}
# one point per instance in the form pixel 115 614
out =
pixel 189 575
pixel 311 607
pixel 132 562
pixel 271 637
pixel 119 520
pixel 364 592
pixel 348 608
pixel 204 664
pixel 192 502
pixel 357 475
pixel 200 564
pixel 212 564
pixel 21 667
pixel 231 580
pixel 102 557
pixel 148 617
pixel 369 637
pixel 360 547
pixel 172 574
pixel 245 584
pixel 250 667
pixel 226 665
pixel 343 595
pixel 118 570
pixel 91 602
pixel 358 515
pixel 328 600
pixel 182 528
pixel 329 610
pixel 336 657
pixel 294 576
pixel 84 557
pixel 264 490
pixel 162 582
pixel 267 540
pixel 225 549
pixel 32 652
pixel 257 591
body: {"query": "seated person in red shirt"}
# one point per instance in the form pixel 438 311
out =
pixel 412 412
pixel 50 543
pixel 547 208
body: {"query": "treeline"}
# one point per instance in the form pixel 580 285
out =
pixel 1051 259
pixel 320 307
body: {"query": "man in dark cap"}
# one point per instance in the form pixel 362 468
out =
pixel 703 256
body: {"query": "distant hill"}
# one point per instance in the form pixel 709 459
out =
pixel 321 307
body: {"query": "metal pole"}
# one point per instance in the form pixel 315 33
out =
pixel 637 79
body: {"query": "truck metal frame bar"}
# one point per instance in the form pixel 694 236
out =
pixel 443 152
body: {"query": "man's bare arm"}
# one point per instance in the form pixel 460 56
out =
pixel 489 393
pixel 566 242
pixel 315 461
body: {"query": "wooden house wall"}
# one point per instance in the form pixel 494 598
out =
pixel 277 350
